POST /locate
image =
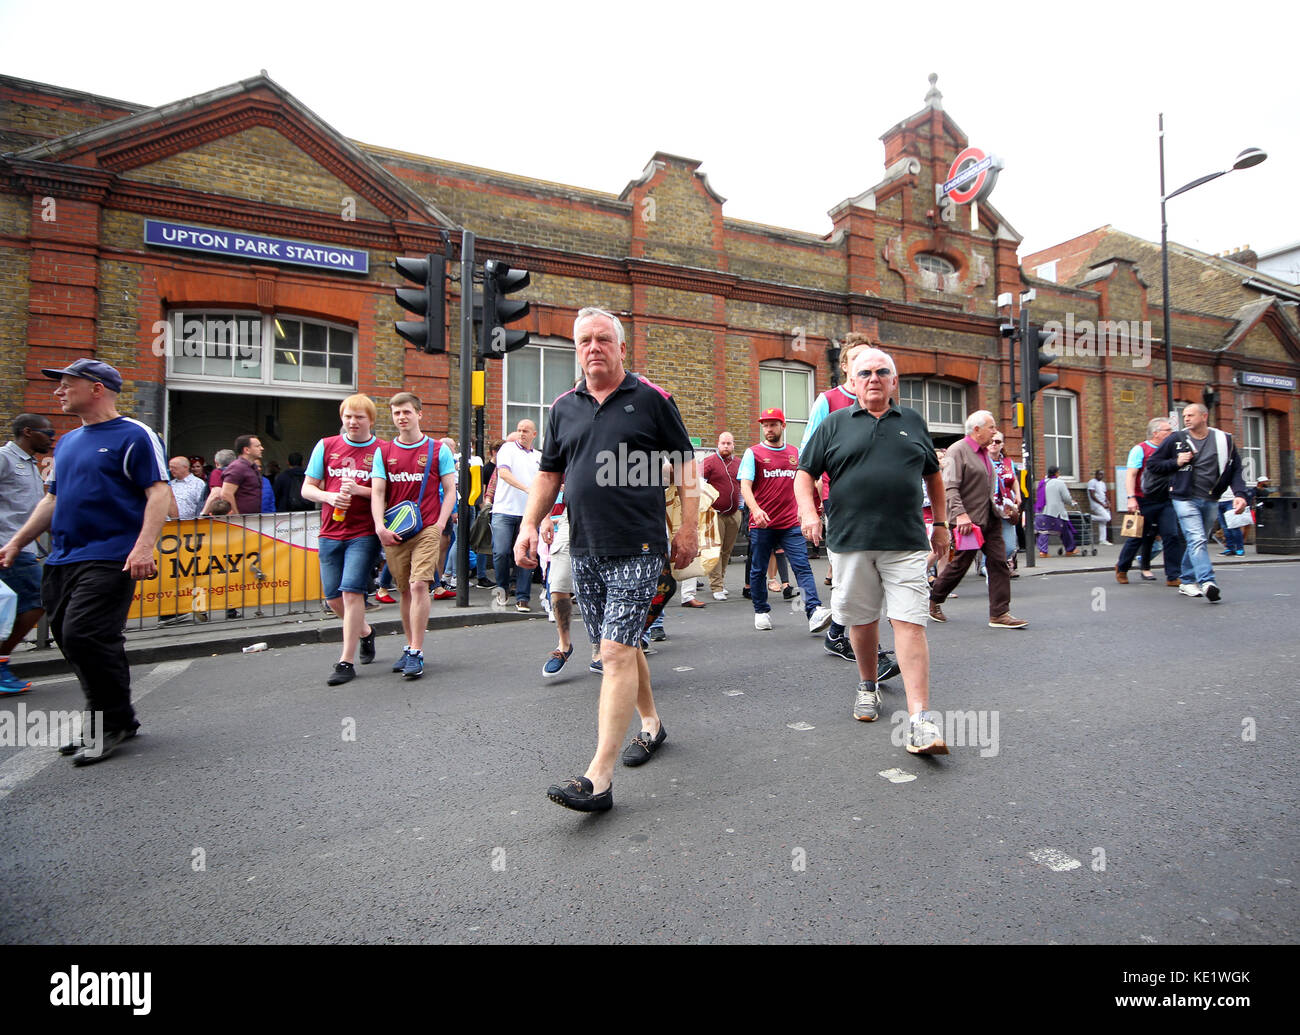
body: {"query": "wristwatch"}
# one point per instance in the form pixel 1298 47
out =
pixel 942 524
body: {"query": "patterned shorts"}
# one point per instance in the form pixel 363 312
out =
pixel 616 593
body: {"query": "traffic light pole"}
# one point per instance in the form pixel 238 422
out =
pixel 1028 368
pixel 467 353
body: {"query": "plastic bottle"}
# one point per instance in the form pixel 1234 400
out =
pixel 255 648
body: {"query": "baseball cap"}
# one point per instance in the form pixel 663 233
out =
pixel 90 370
pixel 771 413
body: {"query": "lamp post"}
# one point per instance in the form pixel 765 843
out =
pixel 1252 156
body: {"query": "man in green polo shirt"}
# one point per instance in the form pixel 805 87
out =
pixel 877 455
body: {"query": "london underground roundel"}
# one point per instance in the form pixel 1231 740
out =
pixel 972 176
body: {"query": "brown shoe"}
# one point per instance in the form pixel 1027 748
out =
pixel 1007 621
pixel 1173 582
pixel 694 603
pixel 936 612
pixel 1121 577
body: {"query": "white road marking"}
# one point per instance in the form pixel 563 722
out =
pixel 684 668
pixel 734 693
pixel 799 726
pixel 896 776
pixel 31 760
pixel 1055 859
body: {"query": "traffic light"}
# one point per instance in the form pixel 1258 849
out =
pixel 428 300
pixel 1033 344
pixel 499 280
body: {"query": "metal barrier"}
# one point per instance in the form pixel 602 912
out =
pixel 231 568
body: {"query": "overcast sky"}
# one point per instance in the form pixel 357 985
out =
pixel 784 104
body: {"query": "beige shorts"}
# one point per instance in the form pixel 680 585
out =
pixel 414 559
pixel 559 576
pixel 867 579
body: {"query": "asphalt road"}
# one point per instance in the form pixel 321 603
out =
pixel 1128 776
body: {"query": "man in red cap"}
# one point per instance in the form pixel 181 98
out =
pixel 766 475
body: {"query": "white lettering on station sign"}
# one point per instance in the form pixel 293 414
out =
pixel 1268 381
pixel 254 246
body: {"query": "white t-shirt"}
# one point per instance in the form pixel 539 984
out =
pixel 523 468
pixel 1099 487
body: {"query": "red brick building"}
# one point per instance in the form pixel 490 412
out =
pixel 231 253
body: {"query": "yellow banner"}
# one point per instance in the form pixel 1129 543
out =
pixel 210 564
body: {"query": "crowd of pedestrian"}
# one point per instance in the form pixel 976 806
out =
pixel 902 522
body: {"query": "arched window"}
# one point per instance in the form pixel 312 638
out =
pixel 934 264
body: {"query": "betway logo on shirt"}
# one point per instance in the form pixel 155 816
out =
pixel 785 473
pixel 347 472
pixel 405 476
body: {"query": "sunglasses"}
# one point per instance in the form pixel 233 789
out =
pixel 880 372
pixel 47 432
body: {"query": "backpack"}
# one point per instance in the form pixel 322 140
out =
pixel 1154 485
pixel 291 490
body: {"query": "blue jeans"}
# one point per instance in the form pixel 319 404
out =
pixel 505 528
pixel 1194 518
pixel 1009 538
pixel 345 564
pixel 1233 538
pixel 762 541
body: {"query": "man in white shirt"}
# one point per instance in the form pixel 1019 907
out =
pixel 190 492
pixel 517 464
pixel 1100 512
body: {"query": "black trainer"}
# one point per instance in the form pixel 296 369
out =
pixel 72 747
pixel 840 647
pixel 886 665
pixel 111 742
pixel 643 745
pixel 368 647
pixel 343 673
pixel 576 794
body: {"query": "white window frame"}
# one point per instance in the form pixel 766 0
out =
pixel 1254 455
pixel 1072 438
pixel 935 264
pixel 931 402
pixel 794 429
pixel 548 347
pixel 256 332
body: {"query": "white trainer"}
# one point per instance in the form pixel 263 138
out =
pixel 1189 589
pixel 763 622
pixel 819 619
pixel 720 595
pixel 1210 591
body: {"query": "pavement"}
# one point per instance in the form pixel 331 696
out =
pixel 147 646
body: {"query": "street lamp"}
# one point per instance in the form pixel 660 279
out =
pixel 1252 156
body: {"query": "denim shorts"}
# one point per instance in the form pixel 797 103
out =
pixel 24 578
pixel 345 564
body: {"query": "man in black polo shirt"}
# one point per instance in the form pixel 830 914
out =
pixel 606 441
pixel 877 455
